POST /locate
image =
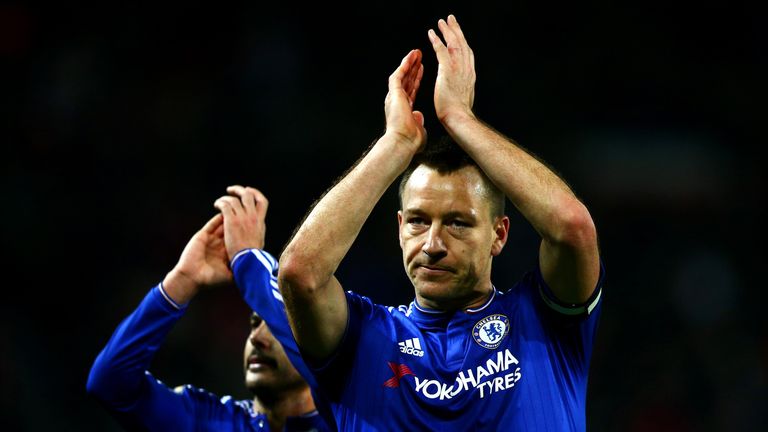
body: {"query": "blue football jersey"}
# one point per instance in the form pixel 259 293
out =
pixel 518 362
pixel 120 380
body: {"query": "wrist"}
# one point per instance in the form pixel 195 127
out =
pixel 233 251
pixel 396 148
pixel 180 287
pixel 236 255
pixel 453 119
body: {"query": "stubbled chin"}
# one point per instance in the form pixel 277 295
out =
pixel 258 377
pixel 431 288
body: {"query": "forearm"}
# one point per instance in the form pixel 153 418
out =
pixel 254 272
pixel 314 299
pixel 544 199
pixel 568 255
pixel 327 233
pixel 118 372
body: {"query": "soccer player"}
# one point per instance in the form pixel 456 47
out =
pixel 119 376
pixel 463 355
pixel 255 270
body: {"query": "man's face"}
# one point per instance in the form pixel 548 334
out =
pixel 448 235
pixel 267 368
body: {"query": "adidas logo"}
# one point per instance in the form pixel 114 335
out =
pixel 411 346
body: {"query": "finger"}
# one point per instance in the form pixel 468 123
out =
pixel 237 205
pixel 411 84
pixel 437 44
pixel 245 195
pixel 413 71
pixel 261 202
pixel 419 117
pixel 213 223
pixel 257 203
pixel 219 230
pixel 451 40
pixel 246 198
pixel 416 85
pixel 454 25
pixel 396 79
pixel 415 58
pixel 249 199
pixel 408 75
pixel 229 206
pixel 236 190
pixel 223 207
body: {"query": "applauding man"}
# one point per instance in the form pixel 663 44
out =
pixel 463 355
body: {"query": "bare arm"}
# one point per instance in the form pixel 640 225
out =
pixel 314 299
pixel 568 255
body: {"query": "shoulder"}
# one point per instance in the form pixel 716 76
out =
pixel 227 402
pixel 373 310
pixel 305 423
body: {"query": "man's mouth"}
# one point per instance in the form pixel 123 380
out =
pixel 434 270
pixel 258 363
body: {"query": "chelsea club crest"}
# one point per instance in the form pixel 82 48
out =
pixel 491 330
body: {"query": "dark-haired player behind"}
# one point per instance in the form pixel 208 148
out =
pixel 119 378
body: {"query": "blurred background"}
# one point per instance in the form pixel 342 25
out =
pixel 121 124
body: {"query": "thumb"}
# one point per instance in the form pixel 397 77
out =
pixel 419 117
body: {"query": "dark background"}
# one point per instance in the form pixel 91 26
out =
pixel 121 124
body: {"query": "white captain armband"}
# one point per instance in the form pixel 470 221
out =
pixel 571 309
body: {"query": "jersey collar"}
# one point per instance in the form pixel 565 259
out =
pixel 438 318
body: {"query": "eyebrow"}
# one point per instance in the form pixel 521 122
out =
pixel 413 210
pixel 450 215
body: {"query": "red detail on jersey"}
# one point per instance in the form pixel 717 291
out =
pixel 400 370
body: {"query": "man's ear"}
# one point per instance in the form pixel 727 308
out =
pixel 501 229
pixel 400 227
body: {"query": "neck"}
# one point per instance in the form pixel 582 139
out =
pixel 289 404
pixel 473 299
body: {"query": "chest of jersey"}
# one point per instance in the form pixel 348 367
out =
pixel 474 357
pixel 504 364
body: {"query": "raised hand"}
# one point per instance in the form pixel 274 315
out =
pixel 203 263
pixel 244 210
pixel 455 85
pixel 402 120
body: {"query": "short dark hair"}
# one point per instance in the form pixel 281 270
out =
pixel 445 156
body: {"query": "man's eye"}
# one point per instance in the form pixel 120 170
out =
pixel 459 224
pixel 416 221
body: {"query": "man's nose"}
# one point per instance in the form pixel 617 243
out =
pixel 434 247
pixel 259 337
